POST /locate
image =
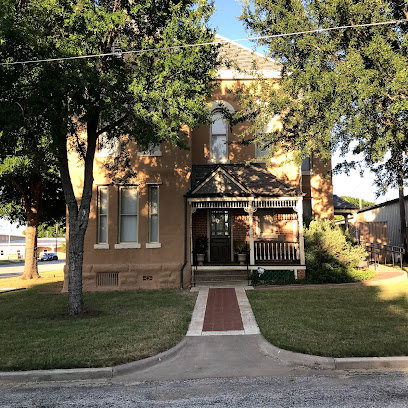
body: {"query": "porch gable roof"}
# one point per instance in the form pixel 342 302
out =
pixel 237 180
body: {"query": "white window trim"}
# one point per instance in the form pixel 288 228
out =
pixel 213 160
pixel 106 151
pixel 154 244
pixel 155 151
pixel 217 105
pixel 128 245
pixel 102 245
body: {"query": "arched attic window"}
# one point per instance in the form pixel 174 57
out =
pixel 219 132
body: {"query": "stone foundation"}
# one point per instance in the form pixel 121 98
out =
pixel 129 276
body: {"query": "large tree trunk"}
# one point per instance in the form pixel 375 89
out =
pixel 30 263
pixel 78 216
pixel 32 204
pixel 403 224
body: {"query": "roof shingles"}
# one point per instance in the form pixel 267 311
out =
pixel 254 178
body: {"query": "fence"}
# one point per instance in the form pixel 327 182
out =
pixel 383 253
pixel 276 251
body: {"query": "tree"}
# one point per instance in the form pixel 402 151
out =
pixel 30 190
pixel 147 95
pixel 343 88
pixel 356 201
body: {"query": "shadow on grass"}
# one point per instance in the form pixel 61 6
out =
pixel 120 327
pixel 337 322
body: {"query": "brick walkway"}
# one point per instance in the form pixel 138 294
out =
pixel 222 312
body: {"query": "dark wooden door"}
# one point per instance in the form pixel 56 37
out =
pixel 220 236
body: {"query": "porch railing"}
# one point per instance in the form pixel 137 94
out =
pixel 378 253
pixel 276 251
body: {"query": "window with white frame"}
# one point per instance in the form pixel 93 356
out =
pixel 218 142
pixel 151 150
pixel 102 215
pixel 153 214
pixel 128 214
pixel 106 146
pixel 261 149
pixel 266 225
pixel 306 165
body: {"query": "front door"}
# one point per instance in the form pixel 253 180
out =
pixel 220 237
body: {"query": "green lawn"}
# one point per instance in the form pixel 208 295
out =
pixel 120 327
pixel 338 322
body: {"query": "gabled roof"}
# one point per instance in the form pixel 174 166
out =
pixel 237 180
pixel 341 204
pixel 234 54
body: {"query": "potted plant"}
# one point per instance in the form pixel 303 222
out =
pixel 240 250
pixel 201 246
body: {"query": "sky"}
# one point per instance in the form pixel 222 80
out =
pixel 225 20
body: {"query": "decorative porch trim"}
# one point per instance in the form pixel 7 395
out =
pixel 244 202
pixel 218 170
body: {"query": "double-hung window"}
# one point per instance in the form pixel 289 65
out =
pixel 106 146
pixel 128 216
pixel 266 226
pixel 153 217
pixel 261 149
pixel 103 201
pixel 218 140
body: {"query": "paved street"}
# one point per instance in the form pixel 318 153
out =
pixel 12 270
pixel 334 389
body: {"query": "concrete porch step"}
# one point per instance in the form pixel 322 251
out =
pixel 220 278
pixel 243 273
pixel 221 284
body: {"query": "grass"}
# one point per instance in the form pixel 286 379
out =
pixel 36 332
pixel 337 322
pixel 45 277
pixel 11 261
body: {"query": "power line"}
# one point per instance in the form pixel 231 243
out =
pixel 177 47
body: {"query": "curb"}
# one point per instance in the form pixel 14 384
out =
pixel 307 360
pixel 150 361
pixel 57 375
pixel 331 363
pixel 78 374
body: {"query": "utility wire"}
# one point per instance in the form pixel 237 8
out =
pixel 177 47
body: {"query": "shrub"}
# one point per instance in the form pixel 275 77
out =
pixel 331 254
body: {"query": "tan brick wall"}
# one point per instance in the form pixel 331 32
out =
pixel 240 226
pixel 200 226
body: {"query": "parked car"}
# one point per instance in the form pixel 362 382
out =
pixel 49 256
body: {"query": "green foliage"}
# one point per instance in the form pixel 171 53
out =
pixel 273 277
pixel 356 201
pixel 331 254
pixel 239 247
pixel 201 244
pixel 48 231
pixel 148 96
pixel 344 88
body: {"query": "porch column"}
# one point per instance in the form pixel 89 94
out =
pixel 192 211
pixel 299 210
pixel 250 211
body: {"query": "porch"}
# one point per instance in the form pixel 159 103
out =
pixel 242 218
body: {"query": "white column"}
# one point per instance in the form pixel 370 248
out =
pixel 192 211
pixel 299 209
pixel 250 211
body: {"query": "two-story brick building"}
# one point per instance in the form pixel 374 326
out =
pixel 143 234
